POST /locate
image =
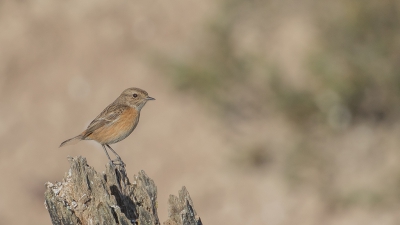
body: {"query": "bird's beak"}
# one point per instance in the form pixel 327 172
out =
pixel 150 98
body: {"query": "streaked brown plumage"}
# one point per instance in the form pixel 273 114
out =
pixel 116 122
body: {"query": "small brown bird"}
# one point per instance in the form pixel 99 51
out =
pixel 116 122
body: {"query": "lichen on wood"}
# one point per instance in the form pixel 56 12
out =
pixel 88 197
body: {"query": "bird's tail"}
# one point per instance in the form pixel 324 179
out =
pixel 72 141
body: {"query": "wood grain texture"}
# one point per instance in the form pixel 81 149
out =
pixel 181 211
pixel 88 197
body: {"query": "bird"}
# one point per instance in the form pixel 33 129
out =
pixel 115 122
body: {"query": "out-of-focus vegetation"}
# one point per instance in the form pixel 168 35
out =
pixel 351 70
pixel 359 56
pixel 353 67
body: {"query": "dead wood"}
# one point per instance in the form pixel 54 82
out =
pixel 88 197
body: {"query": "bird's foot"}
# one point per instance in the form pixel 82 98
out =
pixel 118 162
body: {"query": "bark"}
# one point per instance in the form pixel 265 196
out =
pixel 88 197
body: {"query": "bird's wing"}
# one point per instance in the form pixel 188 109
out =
pixel 110 115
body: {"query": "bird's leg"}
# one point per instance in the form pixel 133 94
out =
pixel 118 157
pixel 105 150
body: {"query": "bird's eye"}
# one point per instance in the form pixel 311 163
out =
pixel 134 95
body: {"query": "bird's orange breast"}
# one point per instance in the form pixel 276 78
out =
pixel 118 130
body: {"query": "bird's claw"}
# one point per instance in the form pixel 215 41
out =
pixel 118 162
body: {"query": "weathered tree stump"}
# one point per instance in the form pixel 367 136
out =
pixel 88 197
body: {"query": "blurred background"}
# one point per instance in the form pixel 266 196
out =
pixel 269 112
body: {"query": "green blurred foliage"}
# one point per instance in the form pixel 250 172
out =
pixel 217 74
pixel 359 56
pixel 354 76
pixel 356 60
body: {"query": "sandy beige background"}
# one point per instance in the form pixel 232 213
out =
pixel 63 62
